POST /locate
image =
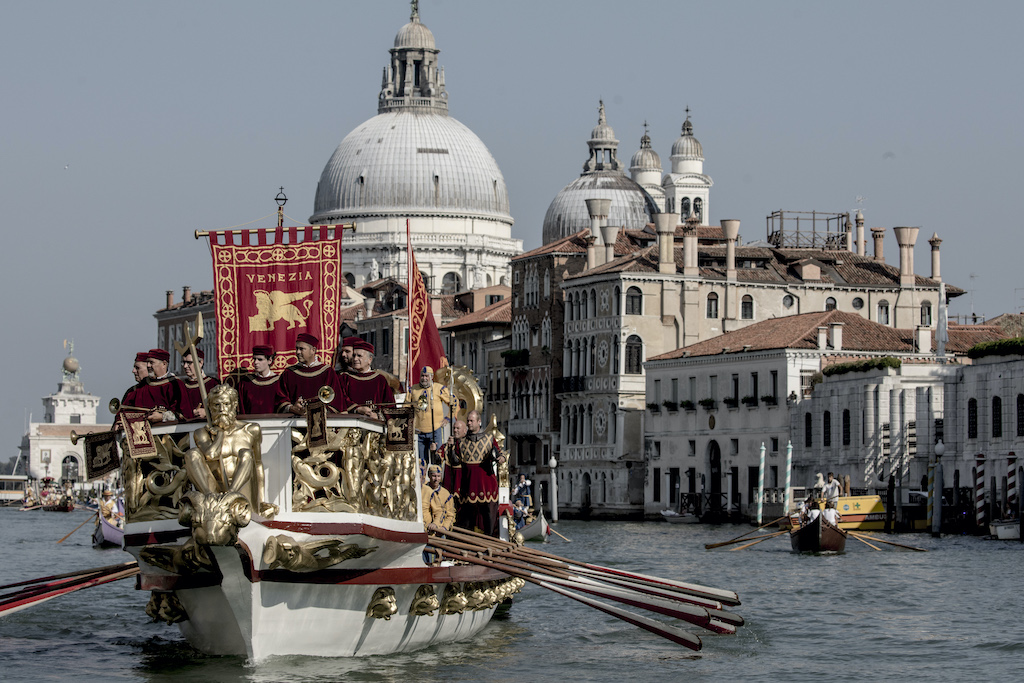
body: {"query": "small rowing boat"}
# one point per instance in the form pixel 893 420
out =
pixel 673 517
pixel 537 530
pixel 817 536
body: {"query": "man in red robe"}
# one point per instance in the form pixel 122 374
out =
pixel 452 476
pixel 162 391
pixel 366 389
pixel 140 371
pixel 192 401
pixel 301 382
pixel 479 452
pixel 257 391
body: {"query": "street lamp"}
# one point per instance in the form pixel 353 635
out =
pixel 940 449
pixel 552 463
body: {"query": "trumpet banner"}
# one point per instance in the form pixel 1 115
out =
pixel 268 294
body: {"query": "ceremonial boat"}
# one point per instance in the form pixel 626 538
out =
pixel 817 536
pixel 53 499
pixel 308 540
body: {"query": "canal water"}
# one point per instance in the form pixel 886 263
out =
pixel 951 614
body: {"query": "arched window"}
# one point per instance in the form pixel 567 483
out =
pixel 1020 414
pixel 830 304
pixel 846 427
pixel 684 207
pixel 972 418
pixel 593 359
pixel 616 303
pixel 747 307
pixel 808 430
pixel 712 307
pixel 350 279
pixel 997 417
pixel 926 313
pixel 634 355
pixel 634 301
pixel 883 312
pixel 698 209
pixel 592 308
pixel 826 429
pixel 69 468
pixel 451 283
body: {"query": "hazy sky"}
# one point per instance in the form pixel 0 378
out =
pixel 128 125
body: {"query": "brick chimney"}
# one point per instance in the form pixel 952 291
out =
pixel 862 247
pixel 186 294
pixel 923 339
pixel 690 260
pixel 170 298
pixel 666 225
pixel 935 242
pixel 837 336
pixel 906 238
pixel 878 235
pixel 598 209
pixel 731 230
pixel 822 338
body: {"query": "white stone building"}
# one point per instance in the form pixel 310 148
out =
pixel 46 447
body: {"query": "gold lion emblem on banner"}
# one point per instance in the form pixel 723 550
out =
pixel 276 305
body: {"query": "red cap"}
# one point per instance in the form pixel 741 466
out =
pixel 263 350
pixel 308 339
pixel 362 344
pixel 158 354
pixel 349 341
pixel 142 356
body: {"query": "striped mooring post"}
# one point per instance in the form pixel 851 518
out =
pixel 760 487
pixel 789 472
pixel 979 491
pixel 1011 481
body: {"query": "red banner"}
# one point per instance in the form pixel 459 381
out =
pixel 425 346
pixel 268 294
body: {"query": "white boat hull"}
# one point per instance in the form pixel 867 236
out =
pixel 1005 530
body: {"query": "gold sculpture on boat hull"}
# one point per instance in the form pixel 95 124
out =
pixel 165 607
pixel 454 600
pixel 425 602
pixel 383 604
pixel 284 552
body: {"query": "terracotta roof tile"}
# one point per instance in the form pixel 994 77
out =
pixel 498 313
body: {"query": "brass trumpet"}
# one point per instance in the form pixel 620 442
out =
pixel 75 436
pixel 325 394
pixel 114 406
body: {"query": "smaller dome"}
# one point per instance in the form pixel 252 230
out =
pixel 687 145
pixel 645 158
pixel 415 35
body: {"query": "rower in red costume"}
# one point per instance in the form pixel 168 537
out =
pixel 162 391
pixel 140 371
pixel 479 452
pixel 301 382
pixel 192 401
pixel 365 388
pixel 257 391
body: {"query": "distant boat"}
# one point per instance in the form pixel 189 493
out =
pixel 817 536
pixel 1005 529
pixel 107 534
pixel 537 530
pixel 12 489
pixel 673 517
pixel 863 513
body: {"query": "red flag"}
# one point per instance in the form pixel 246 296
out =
pixel 425 346
pixel 269 294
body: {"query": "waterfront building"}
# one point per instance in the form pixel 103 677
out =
pixel 46 449
pixel 712 405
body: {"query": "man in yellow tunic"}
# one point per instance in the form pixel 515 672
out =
pixel 429 399
pixel 438 503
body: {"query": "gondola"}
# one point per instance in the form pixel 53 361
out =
pixel 817 536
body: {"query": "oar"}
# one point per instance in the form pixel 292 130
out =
pixel 709 546
pixel 724 596
pixel 667 603
pixel 69 575
pixel 879 540
pixel 30 508
pixel 37 594
pixel 558 534
pixel 675 635
pixel 863 541
pixel 89 518
pixel 763 538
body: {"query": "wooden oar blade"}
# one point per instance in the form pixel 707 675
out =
pixel 35 596
pixel 676 635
